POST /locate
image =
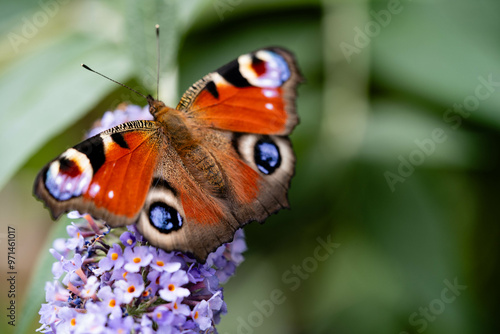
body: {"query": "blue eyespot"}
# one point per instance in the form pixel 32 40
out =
pixel 270 68
pixel 164 218
pixel 267 156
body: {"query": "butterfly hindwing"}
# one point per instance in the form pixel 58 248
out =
pixel 106 175
pixel 255 171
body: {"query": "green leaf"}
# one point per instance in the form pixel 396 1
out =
pixel 45 92
pixel 173 17
pixel 428 50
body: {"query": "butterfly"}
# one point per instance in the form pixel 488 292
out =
pixel 195 174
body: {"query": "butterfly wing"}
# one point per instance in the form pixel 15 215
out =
pixel 254 93
pixel 107 175
pixel 241 168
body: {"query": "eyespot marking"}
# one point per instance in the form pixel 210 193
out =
pixel 267 156
pixel 69 176
pixel 265 68
pixel 258 66
pixel 69 167
pixel 164 218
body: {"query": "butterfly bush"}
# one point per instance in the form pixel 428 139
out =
pixel 113 281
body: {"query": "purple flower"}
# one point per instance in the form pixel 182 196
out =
pixel 73 264
pixel 180 309
pixel 118 274
pixel 77 239
pixel 119 116
pixel 128 239
pixel 90 322
pixel 146 324
pixel 132 287
pixel 120 283
pixel 135 233
pixel 120 325
pixel 162 261
pixel 57 267
pixel 202 315
pixel 68 320
pixel 172 285
pixel 136 257
pixel 162 315
pixel 113 259
pixel 154 281
pixel 90 287
pixel 54 292
pixel 216 302
pixel 110 303
pixel 49 314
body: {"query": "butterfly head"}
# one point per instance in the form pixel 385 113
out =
pixel 155 106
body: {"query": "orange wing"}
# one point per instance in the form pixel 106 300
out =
pixel 254 94
pixel 107 175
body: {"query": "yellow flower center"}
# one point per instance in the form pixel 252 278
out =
pixel 112 303
pixel 137 259
pixel 114 256
pixel 160 263
pixel 73 322
pixel 171 287
pixel 131 289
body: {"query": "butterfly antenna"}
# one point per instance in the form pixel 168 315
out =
pixel 158 60
pixel 102 75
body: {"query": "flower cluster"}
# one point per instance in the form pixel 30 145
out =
pixel 117 283
pixel 123 113
pixel 113 281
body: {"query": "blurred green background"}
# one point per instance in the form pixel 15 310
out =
pixel 397 161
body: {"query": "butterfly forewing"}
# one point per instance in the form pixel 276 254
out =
pixel 106 175
pixel 254 93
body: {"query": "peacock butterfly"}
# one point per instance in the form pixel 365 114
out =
pixel 195 174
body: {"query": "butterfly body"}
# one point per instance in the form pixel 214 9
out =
pixel 196 173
